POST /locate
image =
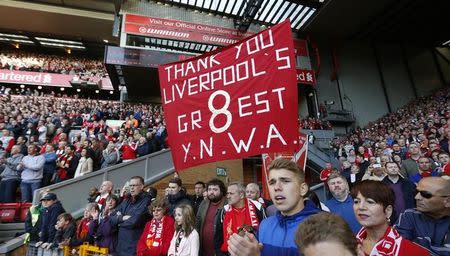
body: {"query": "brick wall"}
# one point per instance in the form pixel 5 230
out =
pixel 206 172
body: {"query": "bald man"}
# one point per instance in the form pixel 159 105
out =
pixel 105 191
pixel 252 192
pixel 429 224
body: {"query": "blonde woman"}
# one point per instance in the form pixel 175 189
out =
pixel 185 241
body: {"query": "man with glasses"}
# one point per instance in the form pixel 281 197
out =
pixel 429 224
pixel 130 217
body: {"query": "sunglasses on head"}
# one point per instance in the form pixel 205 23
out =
pixel 426 194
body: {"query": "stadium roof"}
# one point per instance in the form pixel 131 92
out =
pixel 263 12
pixel 406 21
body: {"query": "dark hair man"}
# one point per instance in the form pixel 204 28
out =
pixel 207 214
pixel 197 197
pixel 176 195
pixel 403 189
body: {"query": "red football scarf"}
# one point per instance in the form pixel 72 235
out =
pixel 154 237
pixel 388 245
pixel 83 228
pixel 234 218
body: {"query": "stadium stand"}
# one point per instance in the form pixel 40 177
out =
pixel 85 175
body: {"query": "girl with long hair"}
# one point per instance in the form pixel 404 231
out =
pixel 185 241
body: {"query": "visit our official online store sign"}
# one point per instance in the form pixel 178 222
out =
pixel 240 101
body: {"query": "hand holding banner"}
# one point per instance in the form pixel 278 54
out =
pixel 240 101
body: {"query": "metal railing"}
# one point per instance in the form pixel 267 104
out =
pixel 73 193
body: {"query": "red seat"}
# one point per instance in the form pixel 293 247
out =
pixel 8 211
pixel 24 210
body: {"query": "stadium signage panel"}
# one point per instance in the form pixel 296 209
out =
pixel 37 78
pixel 181 30
pixel 141 58
pixel 236 102
pixel 305 76
pixel 48 79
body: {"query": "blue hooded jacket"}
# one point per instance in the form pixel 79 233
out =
pixel 277 233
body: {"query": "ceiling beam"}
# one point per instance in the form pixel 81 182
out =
pixel 57 9
pixel 310 3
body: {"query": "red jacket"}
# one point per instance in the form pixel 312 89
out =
pixel 161 250
pixel 128 152
pixel 324 174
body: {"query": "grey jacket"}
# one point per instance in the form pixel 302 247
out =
pixel 33 167
pixel 11 172
pixel 109 158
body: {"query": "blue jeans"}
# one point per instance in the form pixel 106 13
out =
pixel 8 191
pixel 27 189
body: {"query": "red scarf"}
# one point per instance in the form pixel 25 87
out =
pixel 65 161
pixel 446 169
pixel 234 218
pixel 155 232
pixel 388 245
pixel 83 228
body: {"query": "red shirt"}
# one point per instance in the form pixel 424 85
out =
pixel 324 174
pixel 128 152
pixel 446 169
pixel 208 230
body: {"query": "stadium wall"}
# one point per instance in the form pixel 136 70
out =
pixel 206 172
pixel 378 78
pixel 443 58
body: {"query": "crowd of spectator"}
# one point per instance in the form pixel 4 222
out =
pixel 38 62
pixel 232 219
pixel 408 152
pixel 44 140
pixel 419 129
pixel 311 123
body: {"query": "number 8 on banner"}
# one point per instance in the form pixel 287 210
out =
pixel 223 110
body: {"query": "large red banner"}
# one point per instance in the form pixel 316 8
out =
pixel 240 101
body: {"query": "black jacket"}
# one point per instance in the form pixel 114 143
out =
pixel 196 201
pixel 34 230
pixel 178 198
pixel 130 230
pixel 409 192
pixel 201 215
pixel 49 218
pixel 62 235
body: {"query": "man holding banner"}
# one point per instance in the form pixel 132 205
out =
pixel 237 102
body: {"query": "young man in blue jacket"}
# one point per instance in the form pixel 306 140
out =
pixel 276 234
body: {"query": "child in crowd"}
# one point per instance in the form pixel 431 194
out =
pixel 82 232
pixel 100 228
pixel 185 241
pixel 65 231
